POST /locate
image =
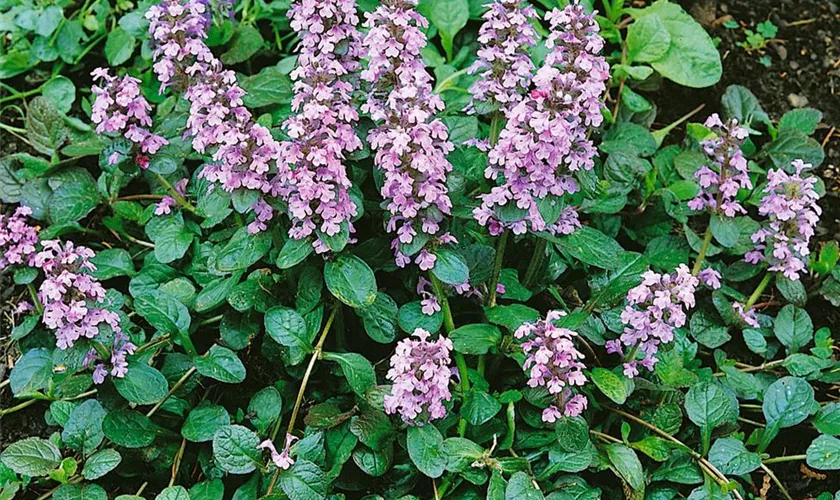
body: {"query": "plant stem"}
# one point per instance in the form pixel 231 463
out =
pixel 536 262
pixel 701 256
pixel 139 197
pixel 210 321
pixel 758 290
pixel 789 458
pixel 163 339
pixel 34 295
pixel 316 354
pixel 497 268
pixel 460 362
pixel 22 95
pixel 20 406
pixel 175 194
pixel 176 464
pixel 174 388
pixel 776 480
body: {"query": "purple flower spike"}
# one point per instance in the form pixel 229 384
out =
pixel 420 372
pixel 322 134
pixel 727 172
pixel 504 65
pixel 17 239
pixel 791 206
pixel 654 309
pixel 545 138
pixel 410 143
pixel 552 361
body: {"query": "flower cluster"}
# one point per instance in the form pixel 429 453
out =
pixel 70 295
pixel 791 206
pixel 545 138
pixel 218 120
pixel 322 130
pixel 282 460
pixel 119 108
pixel 747 315
pixel 727 173
pixel 420 372
pixel 120 348
pixel 17 239
pixel 504 66
pixel 410 143
pixel 654 309
pixel 165 205
pixel 553 362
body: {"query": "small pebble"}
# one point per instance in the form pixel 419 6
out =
pixel 797 101
pixel 794 65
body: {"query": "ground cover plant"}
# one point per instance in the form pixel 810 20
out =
pixel 399 249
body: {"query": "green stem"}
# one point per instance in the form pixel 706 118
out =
pixel 173 193
pixel 21 406
pixel 447 82
pixel 316 354
pixel 789 458
pixel 701 256
pixel 12 129
pixel 163 339
pixel 758 290
pixel 497 268
pixel 210 321
pixel 174 388
pixel 536 262
pixel 460 362
pixel 495 128
pixel 34 295
pixel 776 480
pixel 22 95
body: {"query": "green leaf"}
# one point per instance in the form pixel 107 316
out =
pixel 706 329
pixel 74 195
pixel 61 92
pixel 450 267
pixel 521 487
pixel 476 338
pixel 647 39
pixel 610 286
pixel 709 404
pixel 793 144
pixel 80 492
pixel 48 20
pixel 129 429
pixel 740 103
pixel 31 456
pixel 793 327
pixel 461 453
pixel 203 422
pixel 246 42
pixel 351 281
pixel 613 386
pixel 83 431
pixel 479 407
pixel 171 237
pixel 111 263
pixel 449 16
pixel 264 408
pixel 32 372
pixel 589 246
pixel 287 327
pixel 373 428
pixel 827 420
pixel 629 468
pixel 680 468
pixel 788 401
pixel 235 449
pixel 725 230
pixel 101 463
pixel 293 253
pixel 425 450
pixel 730 456
pixel 173 493
pixel 303 481
pixel 243 250
pixel 44 126
pixel 572 433
pixel 213 489
pixel 222 364
pixel 119 46
pixel 824 453
pixel 357 370
pixel 163 312
pixel 411 316
pixel 142 385
pixel 380 319
pixel 804 120
pixel 692 59
pixel 373 462
pixel 266 88
pixel 792 290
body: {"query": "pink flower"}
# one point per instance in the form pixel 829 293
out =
pixel 710 278
pixel 552 361
pixel 17 239
pixel 746 315
pixel 281 460
pixel 420 373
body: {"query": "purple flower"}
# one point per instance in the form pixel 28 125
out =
pixel 727 171
pixel 410 143
pixel 282 460
pixel 316 189
pixel 420 372
pixel 654 309
pixel 552 361
pixel 120 349
pixel 710 278
pixel 504 65
pixel 746 315
pixel 545 137
pixel 791 207
pixel 242 151
pixel 120 108
pixel 71 297
pixel 17 239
